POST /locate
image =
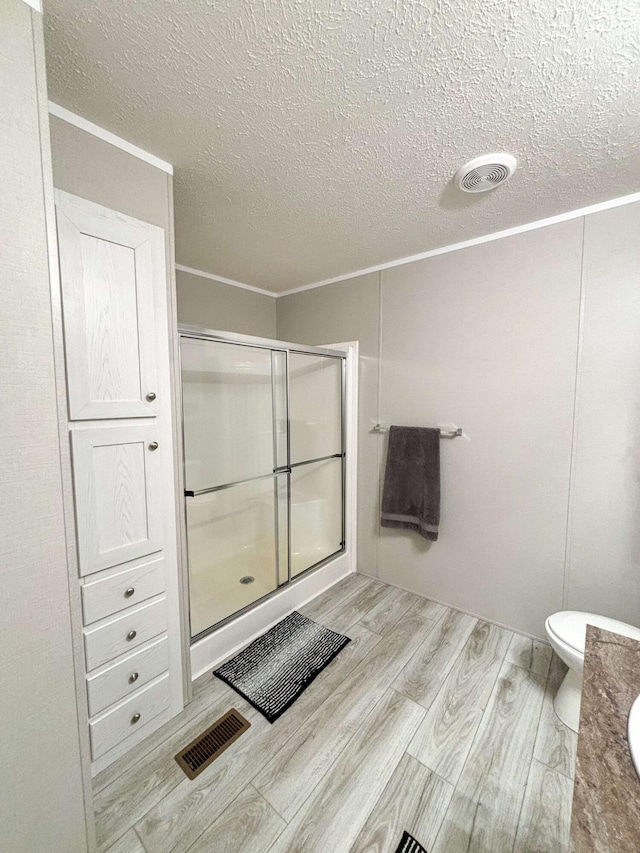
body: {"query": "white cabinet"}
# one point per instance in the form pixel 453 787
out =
pixel 118 724
pixel 113 682
pixel 115 321
pixel 125 589
pixel 118 489
pixel 126 632
pixel 108 266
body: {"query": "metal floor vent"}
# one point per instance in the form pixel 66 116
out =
pixel 199 754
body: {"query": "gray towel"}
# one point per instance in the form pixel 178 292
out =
pixel 411 494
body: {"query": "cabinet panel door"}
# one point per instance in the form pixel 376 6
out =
pixel 118 491
pixel 108 265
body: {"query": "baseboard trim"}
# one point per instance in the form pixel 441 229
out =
pixel 460 609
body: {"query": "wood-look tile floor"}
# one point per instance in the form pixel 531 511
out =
pixel 429 720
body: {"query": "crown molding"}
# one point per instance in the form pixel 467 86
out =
pixel 230 281
pixel 476 241
pixel 106 135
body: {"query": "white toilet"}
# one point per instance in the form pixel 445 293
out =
pixel 567 632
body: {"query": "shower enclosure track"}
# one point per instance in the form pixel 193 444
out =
pixel 195 332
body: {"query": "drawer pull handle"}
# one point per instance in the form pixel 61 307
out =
pixel 131 635
pixel 153 445
pixel 151 396
pixel 135 718
pixel 129 592
pixel 133 677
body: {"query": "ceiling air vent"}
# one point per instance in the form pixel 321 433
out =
pixel 485 173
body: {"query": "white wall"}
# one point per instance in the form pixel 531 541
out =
pixel 486 339
pixel 496 338
pixel 215 305
pixel 604 541
pixel 41 804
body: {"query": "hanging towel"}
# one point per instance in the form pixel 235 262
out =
pixel 411 494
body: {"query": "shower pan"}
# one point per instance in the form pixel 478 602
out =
pixel 264 467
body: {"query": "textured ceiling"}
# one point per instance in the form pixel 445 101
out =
pixel 311 138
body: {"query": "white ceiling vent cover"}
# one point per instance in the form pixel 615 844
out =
pixel 485 173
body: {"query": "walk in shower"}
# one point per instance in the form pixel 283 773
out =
pixel 264 467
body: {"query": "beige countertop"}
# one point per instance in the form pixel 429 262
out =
pixel 606 794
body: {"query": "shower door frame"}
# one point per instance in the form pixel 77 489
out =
pixel 216 336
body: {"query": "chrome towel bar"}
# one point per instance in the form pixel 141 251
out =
pixel 444 433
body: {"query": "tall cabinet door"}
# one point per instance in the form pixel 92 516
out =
pixel 108 267
pixel 116 319
pixel 118 493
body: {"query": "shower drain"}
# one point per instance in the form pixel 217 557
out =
pixel 247 579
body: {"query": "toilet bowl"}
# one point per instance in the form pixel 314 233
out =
pixel 567 632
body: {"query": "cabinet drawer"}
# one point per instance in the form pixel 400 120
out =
pixel 120 679
pixel 104 597
pixel 120 722
pixel 124 633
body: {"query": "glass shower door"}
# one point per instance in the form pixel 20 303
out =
pixel 317 458
pixel 235 447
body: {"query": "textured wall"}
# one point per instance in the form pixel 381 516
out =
pixel 214 305
pixel 41 805
pixel 312 139
pixel 488 338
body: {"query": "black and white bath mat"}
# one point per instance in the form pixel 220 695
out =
pixel 409 845
pixel 277 667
